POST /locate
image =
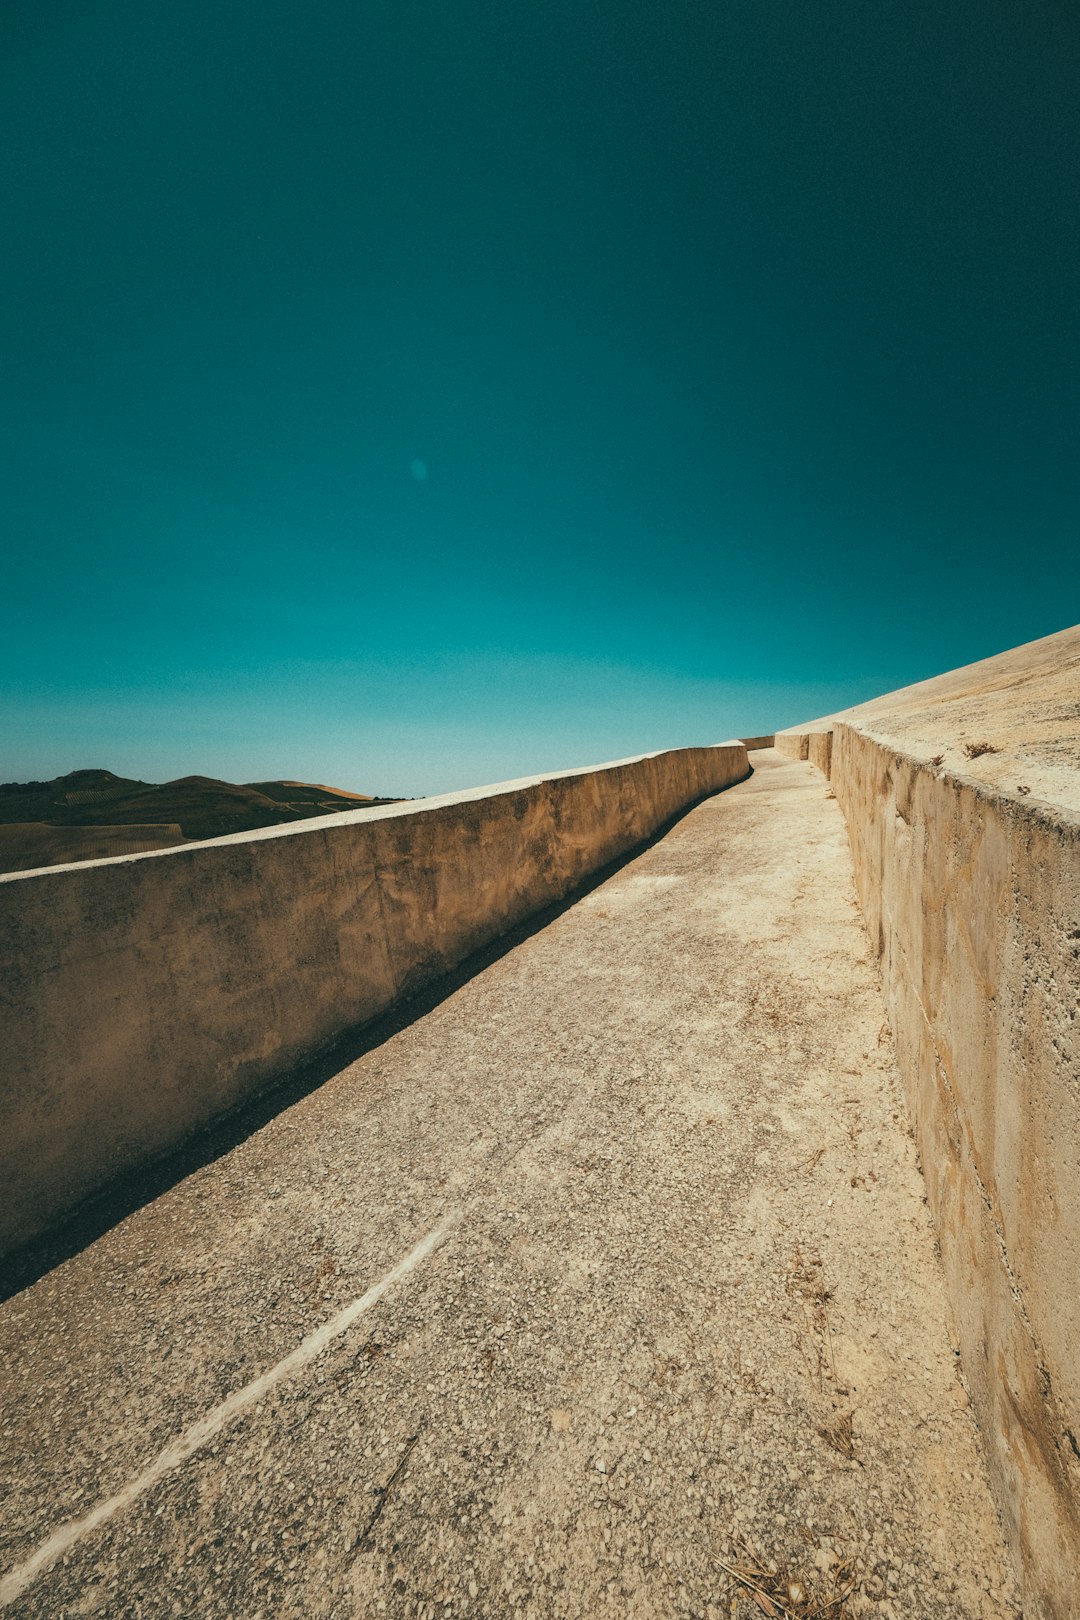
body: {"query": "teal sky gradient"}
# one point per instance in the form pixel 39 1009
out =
pixel 406 395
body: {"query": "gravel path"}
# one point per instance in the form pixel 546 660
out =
pixel 679 1313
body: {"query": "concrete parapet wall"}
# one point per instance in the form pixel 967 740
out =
pixel 143 996
pixel 757 742
pixel 819 750
pixel 792 744
pixel 972 898
pixel 816 746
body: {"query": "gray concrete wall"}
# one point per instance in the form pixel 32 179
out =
pixel 141 997
pixel 971 896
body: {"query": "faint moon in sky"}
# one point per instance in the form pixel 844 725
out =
pixel 418 470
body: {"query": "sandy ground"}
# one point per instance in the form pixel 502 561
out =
pixel 679 1314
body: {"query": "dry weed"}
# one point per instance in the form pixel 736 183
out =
pixel 785 1595
pixel 837 1433
pixel 805 1282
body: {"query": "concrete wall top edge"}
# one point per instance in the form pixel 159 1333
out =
pixel 1056 811
pixel 388 812
pixel 1017 710
pixel 1008 775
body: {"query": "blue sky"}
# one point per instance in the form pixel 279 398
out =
pixel 405 396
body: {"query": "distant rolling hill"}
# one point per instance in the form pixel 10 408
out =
pixel 92 813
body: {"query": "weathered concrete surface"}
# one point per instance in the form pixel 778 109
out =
pixel 141 997
pixel 975 901
pixel 691 1246
pixel 968 871
pixel 1025 703
pixel 795 744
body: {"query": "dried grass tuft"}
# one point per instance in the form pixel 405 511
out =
pixel 783 1594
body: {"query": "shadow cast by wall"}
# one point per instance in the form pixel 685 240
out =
pixel 91 1220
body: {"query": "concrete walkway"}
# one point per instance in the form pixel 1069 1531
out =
pixel 628 1296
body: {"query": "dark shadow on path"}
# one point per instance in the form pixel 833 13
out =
pixel 106 1209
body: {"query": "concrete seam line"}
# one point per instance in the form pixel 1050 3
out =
pixel 15 1583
